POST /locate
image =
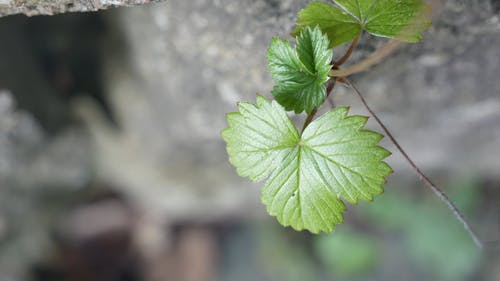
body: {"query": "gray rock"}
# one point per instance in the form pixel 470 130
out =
pixel 184 64
pixel 36 174
pixel 174 69
pixel 51 7
pixel 187 63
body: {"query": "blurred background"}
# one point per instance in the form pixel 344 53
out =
pixel 112 166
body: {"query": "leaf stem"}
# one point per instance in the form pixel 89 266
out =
pixel 373 59
pixel 346 56
pixel 309 119
pixel 438 192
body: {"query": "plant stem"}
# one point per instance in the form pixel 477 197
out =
pixel 346 56
pixel 438 192
pixel 309 119
pixel 373 59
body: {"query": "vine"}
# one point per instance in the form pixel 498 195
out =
pixel 333 158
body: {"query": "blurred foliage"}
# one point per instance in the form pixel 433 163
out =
pixel 347 253
pixel 440 247
pixel 284 255
pixel 465 194
pixel 431 236
pixel 401 236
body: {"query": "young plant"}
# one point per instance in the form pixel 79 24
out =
pixel 333 158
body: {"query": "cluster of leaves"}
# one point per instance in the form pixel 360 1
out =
pixel 334 157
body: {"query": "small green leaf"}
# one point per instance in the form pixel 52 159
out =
pixel 399 19
pixel 307 175
pixel 300 73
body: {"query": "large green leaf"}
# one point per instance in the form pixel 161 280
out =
pixel 399 19
pixel 300 73
pixel 307 175
pixel 257 137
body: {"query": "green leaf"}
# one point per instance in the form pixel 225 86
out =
pixel 257 137
pixel 300 73
pixel 339 26
pixel 399 19
pixel 307 175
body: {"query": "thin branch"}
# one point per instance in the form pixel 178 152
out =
pixel 348 54
pixel 373 59
pixel 309 119
pixel 438 192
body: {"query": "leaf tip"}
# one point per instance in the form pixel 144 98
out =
pixel 343 110
pixel 260 100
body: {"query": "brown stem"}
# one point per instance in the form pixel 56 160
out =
pixel 373 59
pixel 309 119
pixel 346 56
pixel 438 192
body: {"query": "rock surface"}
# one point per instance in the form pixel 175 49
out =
pixel 172 71
pixel 51 7
pixel 188 63
pixel 170 97
pixel 35 172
